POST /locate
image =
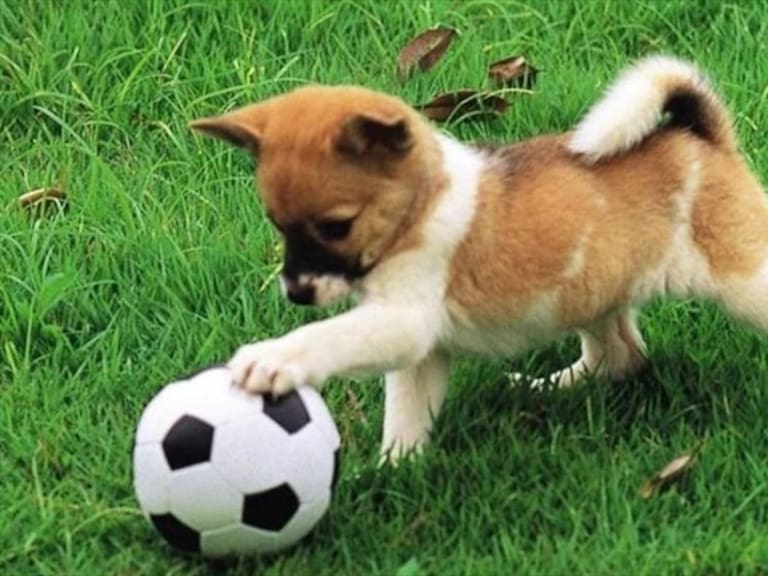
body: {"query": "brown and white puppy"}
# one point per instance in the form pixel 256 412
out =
pixel 452 248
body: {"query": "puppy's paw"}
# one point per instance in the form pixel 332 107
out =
pixel 393 455
pixel 519 379
pixel 270 367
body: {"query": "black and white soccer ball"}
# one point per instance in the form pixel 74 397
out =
pixel 219 471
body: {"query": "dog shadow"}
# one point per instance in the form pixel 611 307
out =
pixel 671 390
pixel 484 407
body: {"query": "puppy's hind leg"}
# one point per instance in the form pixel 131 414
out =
pixel 414 397
pixel 746 299
pixel 611 347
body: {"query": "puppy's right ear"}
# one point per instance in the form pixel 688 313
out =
pixel 242 127
pixel 363 134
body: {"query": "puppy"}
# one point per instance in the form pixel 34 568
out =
pixel 452 248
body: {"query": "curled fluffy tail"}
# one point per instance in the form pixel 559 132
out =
pixel 652 89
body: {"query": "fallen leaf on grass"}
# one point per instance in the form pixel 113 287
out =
pixel 514 71
pixel 671 473
pixel 463 103
pixel 39 202
pixel 424 50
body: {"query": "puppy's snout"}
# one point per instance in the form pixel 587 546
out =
pixel 302 294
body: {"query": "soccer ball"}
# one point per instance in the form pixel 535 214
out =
pixel 219 471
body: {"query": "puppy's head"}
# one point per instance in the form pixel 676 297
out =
pixel 340 170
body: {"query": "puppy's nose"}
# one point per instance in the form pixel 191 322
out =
pixel 302 294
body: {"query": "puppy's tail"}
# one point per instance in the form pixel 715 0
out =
pixel 652 90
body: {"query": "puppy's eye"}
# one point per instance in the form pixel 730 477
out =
pixel 334 230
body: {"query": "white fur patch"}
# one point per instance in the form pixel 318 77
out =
pixel 577 259
pixel 632 107
pixel 426 267
pixel 452 218
pixel 413 398
pixel 684 270
pixel 329 289
pixel 537 325
pixel 747 298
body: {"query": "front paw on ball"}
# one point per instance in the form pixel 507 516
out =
pixel 265 368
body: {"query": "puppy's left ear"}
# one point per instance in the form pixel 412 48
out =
pixel 362 134
pixel 242 127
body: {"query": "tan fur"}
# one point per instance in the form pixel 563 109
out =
pixel 495 249
pixel 539 201
pixel 729 218
pixel 302 178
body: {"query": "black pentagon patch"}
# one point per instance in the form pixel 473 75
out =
pixel 188 442
pixel 178 534
pixel 271 509
pixel 336 468
pixel 287 411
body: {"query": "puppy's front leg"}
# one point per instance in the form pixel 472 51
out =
pixel 414 397
pixel 369 338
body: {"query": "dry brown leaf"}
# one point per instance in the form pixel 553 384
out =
pixel 424 50
pixel 463 103
pixel 514 71
pixel 41 201
pixel 675 469
pixel 671 473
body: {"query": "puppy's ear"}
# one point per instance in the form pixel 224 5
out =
pixel 362 134
pixel 242 127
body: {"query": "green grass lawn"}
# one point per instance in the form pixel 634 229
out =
pixel 164 263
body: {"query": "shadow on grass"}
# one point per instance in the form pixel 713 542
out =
pixel 674 389
pixel 509 452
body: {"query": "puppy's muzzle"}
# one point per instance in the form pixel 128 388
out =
pixel 311 290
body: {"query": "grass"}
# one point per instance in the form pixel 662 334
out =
pixel 162 264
